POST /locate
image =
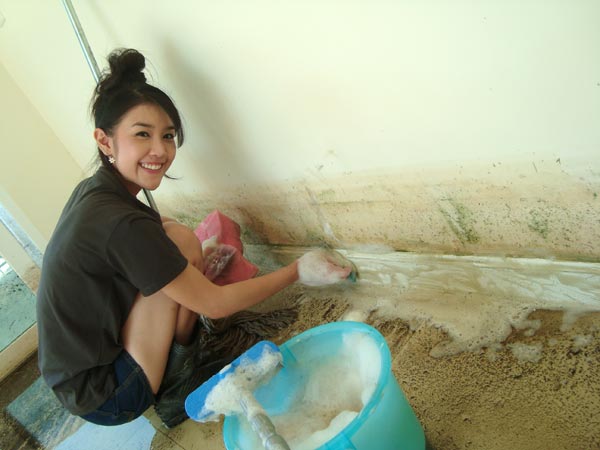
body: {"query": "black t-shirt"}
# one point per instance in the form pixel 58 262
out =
pixel 107 247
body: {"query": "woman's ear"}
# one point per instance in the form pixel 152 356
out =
pixel 103 141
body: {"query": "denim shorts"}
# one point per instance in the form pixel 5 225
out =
pixel 132 396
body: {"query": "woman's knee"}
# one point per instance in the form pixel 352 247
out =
pixel 187 242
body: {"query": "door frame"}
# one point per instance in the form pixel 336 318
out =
pixel 21 349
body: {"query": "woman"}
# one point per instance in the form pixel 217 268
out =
pixel 121 287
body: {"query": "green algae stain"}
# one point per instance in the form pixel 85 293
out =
pixel 328 195
pixel 538 222
pixel 188 220
pixel 315 238
pixel 461 222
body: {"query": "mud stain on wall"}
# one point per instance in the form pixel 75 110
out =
pixel 547 213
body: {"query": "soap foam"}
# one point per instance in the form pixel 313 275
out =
pixel 580 341
pixel 336 391
pixel 526 352
pixel 224 397
pixel 319 437
pixel 477 301
pixel 355 315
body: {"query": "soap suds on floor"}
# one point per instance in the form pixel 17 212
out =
pixel 492 351
pixel 526 353
pixel 581 341
pixel 355 315
pixel 478 301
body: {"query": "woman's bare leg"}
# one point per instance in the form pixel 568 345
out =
pixel 156 320
pixel 186 322
pixel 191 248
pixel 148 334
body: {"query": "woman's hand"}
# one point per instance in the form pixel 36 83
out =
pixel 321 267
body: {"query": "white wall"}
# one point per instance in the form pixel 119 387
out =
pixel 462 127
pixel 37 173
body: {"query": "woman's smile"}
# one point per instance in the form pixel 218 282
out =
pixel 153 167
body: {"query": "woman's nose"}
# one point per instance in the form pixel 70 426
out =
pixel 159 147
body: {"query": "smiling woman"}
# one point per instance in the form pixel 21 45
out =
pixel 128 109
pixel 122 288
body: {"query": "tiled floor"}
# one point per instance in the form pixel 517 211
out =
pixel 32 418
pixel 17 305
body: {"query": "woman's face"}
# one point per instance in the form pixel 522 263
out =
pixel 143 146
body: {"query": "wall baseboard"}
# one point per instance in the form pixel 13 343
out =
pixel 18 352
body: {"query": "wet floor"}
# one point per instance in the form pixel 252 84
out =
pixel 17 305
pixel 536 387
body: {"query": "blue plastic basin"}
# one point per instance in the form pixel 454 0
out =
pixel 386 421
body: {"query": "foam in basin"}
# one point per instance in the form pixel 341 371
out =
pixel 224 398
pixel 333 395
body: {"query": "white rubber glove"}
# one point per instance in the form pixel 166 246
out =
pixel 321 267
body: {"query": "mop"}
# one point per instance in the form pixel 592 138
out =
pixel 229 392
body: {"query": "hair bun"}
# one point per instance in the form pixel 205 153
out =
pixel 126 68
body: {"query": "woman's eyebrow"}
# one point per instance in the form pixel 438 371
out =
pixel 147 125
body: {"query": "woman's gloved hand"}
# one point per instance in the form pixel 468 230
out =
pixel 321 267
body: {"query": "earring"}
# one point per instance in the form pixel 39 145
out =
pixel 111 159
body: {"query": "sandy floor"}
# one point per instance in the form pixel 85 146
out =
pixel 474 400
pixel 480 401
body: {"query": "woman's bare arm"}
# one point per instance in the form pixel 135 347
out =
pixel 195 292
pixel 165 219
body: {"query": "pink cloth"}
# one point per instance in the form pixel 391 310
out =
pixel 227 232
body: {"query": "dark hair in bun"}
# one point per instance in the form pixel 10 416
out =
pixel 125 67
pixel 122 87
